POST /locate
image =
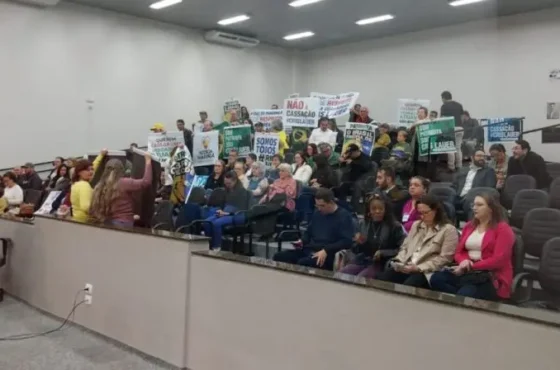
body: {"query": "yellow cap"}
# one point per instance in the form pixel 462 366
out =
pixel 158 127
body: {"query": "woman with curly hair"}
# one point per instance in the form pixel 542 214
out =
pixel 112 201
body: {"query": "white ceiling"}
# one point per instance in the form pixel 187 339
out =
pixel 332 21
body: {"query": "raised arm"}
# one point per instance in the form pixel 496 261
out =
pixel 144 182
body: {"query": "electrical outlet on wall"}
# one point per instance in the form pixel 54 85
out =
pixel 88 299
pixel 89 289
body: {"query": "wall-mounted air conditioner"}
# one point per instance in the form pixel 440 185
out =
pixel 230 39
pixel 42 3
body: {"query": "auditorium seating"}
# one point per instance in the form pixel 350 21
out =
pixel 553 169
pixel 513 185
pixel 524 201
pixel 554 193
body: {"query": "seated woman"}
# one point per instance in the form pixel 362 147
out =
pixel 428 248
pixel 258 184
pixel 284 185
pixel 61 181
pixel 113 197
pixel 237 199
pixel 378 240
pixel 324 175
pixel 13 193
pixel 484 268
pixel 311 152
pixel 417 188
pixel 216 178
pixel 272 172
pixel 300 169
pixel 239 168
pixel 81 191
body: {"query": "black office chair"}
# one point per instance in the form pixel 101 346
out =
pixel 524 201
pixel 435 185
pixel 197 196
pixel 465 213
pixel 554 193
pixel 217 198
pixel 163 216
pixel 548 276
pixel 553 169
pixel 539 226
pixel 379 154
pixel 513 185
pixel 443 194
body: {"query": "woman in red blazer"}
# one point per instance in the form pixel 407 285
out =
pixel 484 268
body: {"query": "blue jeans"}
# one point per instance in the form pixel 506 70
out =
pixel 118 223
pixel 216 230
pixel 304 257
pixel 447 282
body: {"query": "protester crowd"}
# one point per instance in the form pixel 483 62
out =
pixel 403 234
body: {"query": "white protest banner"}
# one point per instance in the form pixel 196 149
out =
pixel 301 112
pixel 206 148
pixel 266 146
pixel 232 104
pixel 407 113
pixel 293 96
pixel 266 116
pixel 181 163
pixel 333 106
pixel 46 208
pixel 160 145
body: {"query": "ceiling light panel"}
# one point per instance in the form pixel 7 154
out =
pixel 232 20
pixel 464 2
pixel 164 4
pixel 300 35
pixel 381 18
pixel 298 3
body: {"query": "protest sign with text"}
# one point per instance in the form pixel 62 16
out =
pixel 501 130
pixel 232 104
pixel 266 146
pixel 408 110
pixel 238 138
pixel 206 148
pixel 360 134
pixel 266 116
pixel 436 137
pixel 333 106
pixel 301 112
pixel 161 145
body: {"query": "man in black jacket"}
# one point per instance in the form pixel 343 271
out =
pixel 526 162
pixel 451 108
pixel 355 165
pixel 30 179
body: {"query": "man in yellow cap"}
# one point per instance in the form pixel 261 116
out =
pixel 158 128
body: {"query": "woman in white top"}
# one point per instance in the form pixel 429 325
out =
pixel 301 171
pixel 12 192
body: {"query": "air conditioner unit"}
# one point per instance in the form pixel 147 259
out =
pixel 230 39
pixel 41 3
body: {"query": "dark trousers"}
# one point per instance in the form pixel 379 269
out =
pixel 447 282
pixel 303 257
pixel 417 279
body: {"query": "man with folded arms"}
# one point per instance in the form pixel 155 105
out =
pixel 331 229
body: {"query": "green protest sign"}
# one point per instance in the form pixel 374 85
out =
pixel 239 138
pixel 436 137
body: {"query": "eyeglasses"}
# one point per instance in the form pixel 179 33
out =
pixel 424 213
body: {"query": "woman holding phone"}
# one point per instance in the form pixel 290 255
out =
pixel 428 248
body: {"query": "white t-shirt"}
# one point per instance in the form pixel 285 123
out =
pixel 474 245
pixel 319 136
pixel 469 181
pixel 14 195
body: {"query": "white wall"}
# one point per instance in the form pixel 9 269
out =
pixel 495 68
pixel 138 72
